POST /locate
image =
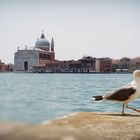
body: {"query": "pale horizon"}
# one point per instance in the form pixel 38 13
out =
pixel 80 28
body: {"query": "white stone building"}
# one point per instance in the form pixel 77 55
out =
pixel 39 55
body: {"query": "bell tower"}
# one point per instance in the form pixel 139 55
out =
pixel 52 45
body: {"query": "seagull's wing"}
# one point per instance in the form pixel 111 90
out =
pixel 121 94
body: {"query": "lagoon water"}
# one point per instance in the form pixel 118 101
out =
pixel 35 98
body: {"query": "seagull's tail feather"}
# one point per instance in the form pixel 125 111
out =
pixel 97 98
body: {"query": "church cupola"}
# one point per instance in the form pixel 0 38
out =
pixel 42 43
pixel 52 45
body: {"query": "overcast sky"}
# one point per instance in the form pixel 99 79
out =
pixel 99 28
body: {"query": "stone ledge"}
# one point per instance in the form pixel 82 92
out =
pixel 79 126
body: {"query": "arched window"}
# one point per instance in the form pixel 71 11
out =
pixel 26 65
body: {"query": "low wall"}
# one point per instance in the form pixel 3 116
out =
pixel 79 126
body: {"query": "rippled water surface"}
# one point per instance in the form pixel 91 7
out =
pixel 39 97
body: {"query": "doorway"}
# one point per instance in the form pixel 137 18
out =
pixel 25 65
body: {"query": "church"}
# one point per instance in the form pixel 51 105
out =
pixel 39 55
pixel 41 58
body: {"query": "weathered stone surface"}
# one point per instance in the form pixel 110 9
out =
pixel 80 126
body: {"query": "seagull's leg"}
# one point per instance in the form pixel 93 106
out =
pixel 132 108
pixel 123 109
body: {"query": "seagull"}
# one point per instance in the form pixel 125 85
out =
pixel 124 94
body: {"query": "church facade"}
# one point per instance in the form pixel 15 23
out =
pixel 39 55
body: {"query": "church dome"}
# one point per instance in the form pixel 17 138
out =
pixel 42 42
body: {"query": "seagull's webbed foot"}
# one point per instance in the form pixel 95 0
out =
pixel 133 108
pixel 123 114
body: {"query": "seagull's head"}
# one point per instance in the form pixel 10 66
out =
pixel 136 76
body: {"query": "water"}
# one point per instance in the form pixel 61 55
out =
pixel 35 98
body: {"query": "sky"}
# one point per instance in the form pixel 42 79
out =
pixel 98 28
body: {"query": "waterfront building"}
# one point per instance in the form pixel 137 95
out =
pixel 115 65
pixel 121 65
pixel 124 63
pixel 134 64
pixel 40 54
pixel 97 65
pixel 2 67
pixel 105 64
pixel 88 64
pixel 5 67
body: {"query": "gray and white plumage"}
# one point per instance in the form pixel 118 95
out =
pixel 124 94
